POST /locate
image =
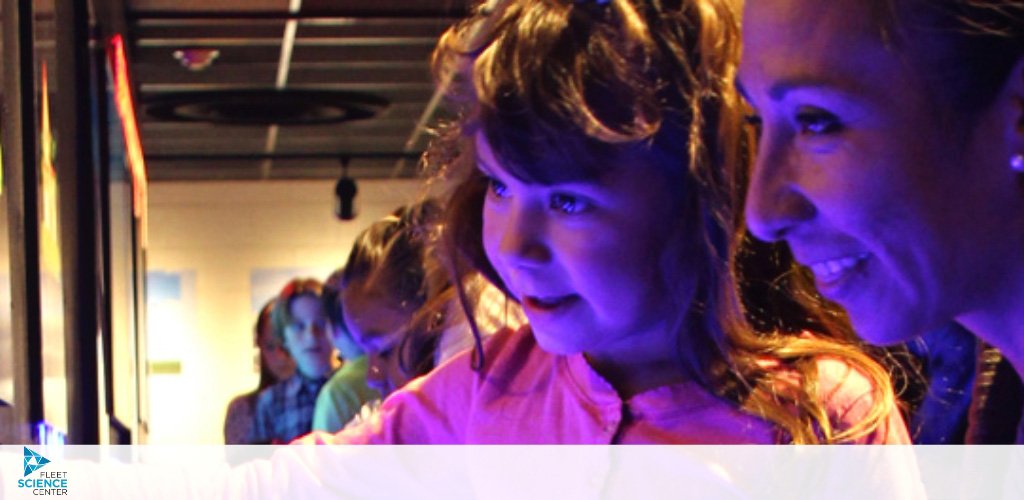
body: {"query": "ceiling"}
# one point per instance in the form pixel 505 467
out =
pixel 377 47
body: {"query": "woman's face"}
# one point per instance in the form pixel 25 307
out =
pixel 899 210
pixel 585 258
pixel 378 327
pixel 306 337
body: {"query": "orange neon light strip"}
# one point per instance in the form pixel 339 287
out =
pixel 49 235
pixel 49 174
pixel 126 110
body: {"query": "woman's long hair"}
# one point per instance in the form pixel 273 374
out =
pixel 966 48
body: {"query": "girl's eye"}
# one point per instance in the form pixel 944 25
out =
pixel 496 188
pixel 568 204
pixel 817 122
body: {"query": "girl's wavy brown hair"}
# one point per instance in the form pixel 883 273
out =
pixel 563 89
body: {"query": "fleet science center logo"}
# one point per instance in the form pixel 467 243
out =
pixel 47 482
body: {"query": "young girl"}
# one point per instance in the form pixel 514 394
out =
pixel 590 174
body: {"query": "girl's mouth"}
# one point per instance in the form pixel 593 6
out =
pixel 549 304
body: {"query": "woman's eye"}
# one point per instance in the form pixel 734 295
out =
pixel 568 204
pixel 496 188
pixel 817 122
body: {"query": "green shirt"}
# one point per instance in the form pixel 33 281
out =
pixel 342 396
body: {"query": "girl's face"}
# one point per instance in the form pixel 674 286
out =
pixel 585 258
pixel 306 337
pixel 902 213
pixel 378 327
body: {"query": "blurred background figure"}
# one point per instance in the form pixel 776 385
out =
pixel 275 365
pixel 394 296
pixel 346 392
pixel 400 306
pixel 284 411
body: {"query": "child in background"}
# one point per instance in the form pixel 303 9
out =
pixel 396 297
pixel 285 410
pixel 275 365
pixel 592 180
pixel 346 392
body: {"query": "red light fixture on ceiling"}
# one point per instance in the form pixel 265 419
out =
pixel 196 58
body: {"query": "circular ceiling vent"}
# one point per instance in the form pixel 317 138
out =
pixel 264 107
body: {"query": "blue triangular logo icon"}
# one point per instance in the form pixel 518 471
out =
pixel 33 461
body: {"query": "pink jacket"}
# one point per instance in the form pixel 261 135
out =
pixel 526 395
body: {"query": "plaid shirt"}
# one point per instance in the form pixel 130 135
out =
pixel 284 411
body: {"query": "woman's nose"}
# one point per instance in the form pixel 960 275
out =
pixel 776 201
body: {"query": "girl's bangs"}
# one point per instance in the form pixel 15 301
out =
pixel 537 152
pixel 548 152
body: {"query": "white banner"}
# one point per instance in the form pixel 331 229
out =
pixel 514 472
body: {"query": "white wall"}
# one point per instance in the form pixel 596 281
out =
pixel 214 235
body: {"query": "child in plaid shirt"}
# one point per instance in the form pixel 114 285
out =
pixel 284 411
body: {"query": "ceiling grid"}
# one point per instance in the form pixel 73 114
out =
pixel 376 50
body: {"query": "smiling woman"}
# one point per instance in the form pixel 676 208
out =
pixel 891 158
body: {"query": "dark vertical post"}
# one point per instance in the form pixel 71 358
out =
pixel 78 199
pixel 21 186
pixel 102 122
pixel 110 20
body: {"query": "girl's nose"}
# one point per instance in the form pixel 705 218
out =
pixel 522 240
